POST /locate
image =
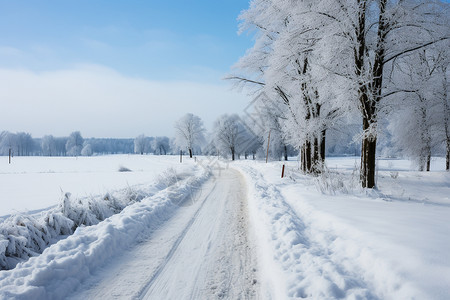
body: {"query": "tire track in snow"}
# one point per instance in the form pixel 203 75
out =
pixel 125 275
pixel 180 238
pixel 232 273
pixel 214 259
pixel 202 252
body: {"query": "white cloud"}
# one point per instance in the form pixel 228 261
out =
pixel 101 102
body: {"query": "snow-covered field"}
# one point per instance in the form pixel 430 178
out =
pixel 34 183
pixel 301 237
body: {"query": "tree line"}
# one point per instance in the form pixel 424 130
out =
pixel 23 144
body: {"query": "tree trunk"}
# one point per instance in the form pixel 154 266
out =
pixel 447 160
pixel 308 156
pixel 315 164
pixel 421 166
pixel 368 159
pixel 302 158
pixel 316 150
pixel 190 152
pixel 322 145
pixel 232 153
pixel 428 161
pixel 425 138
pixel 446 118
pixel 285 153
pixel 368 154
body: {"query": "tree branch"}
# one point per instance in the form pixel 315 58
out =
pixel 414 49
pixel 398 91
pixel 244 80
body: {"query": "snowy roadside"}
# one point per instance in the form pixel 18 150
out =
pixel 25 235
pixel 320 246
pixel 64 265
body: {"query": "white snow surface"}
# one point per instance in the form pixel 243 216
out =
pixel 387 244
pixel 34 183
pixel 298 237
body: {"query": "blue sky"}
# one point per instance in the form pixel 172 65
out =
pixel 170 44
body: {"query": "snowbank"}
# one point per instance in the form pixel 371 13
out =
pixel 23 236
pixel 62 266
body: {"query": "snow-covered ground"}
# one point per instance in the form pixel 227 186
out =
pixel 346 243
pixel 249 234
pixel 35 183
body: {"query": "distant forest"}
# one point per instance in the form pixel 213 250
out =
pixel 23 144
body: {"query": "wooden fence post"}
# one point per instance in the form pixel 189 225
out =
pixel 282 172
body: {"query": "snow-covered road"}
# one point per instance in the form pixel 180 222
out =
pixel 203 252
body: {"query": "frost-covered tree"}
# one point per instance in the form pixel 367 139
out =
pixel 252 136
pixel 7 142
pixel 231 135
pixel 87 150
pixel 446 112
pixel 440 60
pixel 24 143
pixel 367 39
pixel 60 144
pixel 419 122
pixel 264 124
pixel 111 145
pixel 189 133
pixel 48 145
pixel 285 66
pixel 141 144
pixel 161 145
pixel 21 143
pixel 74 144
